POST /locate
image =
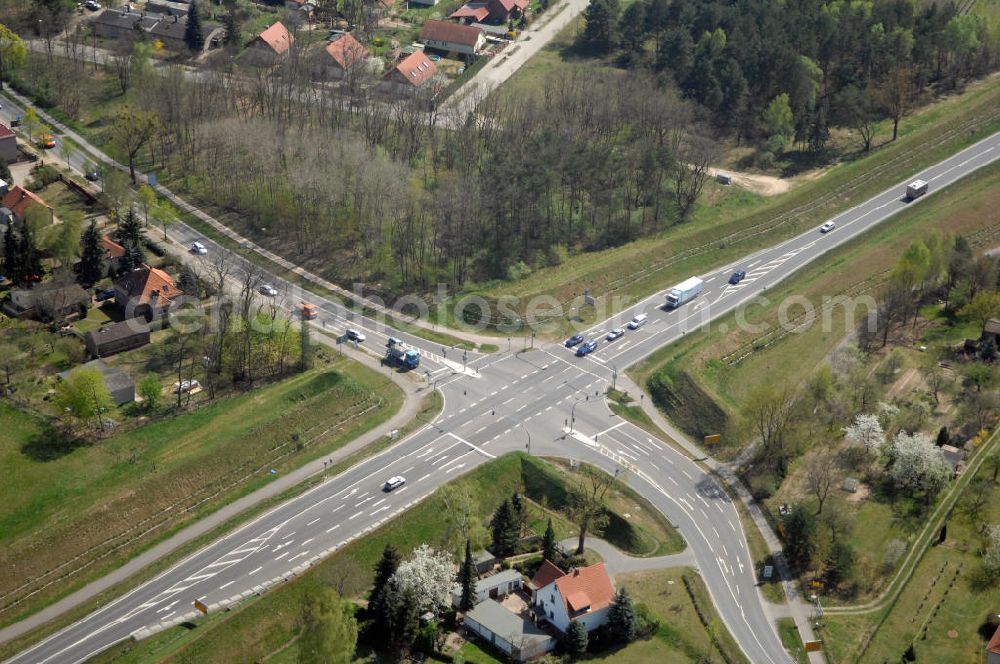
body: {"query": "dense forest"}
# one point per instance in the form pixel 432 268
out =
pixel 402 195
pixel 789 71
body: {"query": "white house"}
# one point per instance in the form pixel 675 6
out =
pixel 508 632
pixel 993 649
pixel 452 37
pixel 583 594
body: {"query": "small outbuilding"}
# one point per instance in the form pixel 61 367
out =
pixel 117 337
pixel 508 632
pixel 492 587
pixel 119 384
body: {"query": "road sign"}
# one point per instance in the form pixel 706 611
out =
pixel 814 646
pixel 587 297
pixel 713 439
pixel 198 604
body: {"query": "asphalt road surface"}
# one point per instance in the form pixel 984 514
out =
pixel 545 400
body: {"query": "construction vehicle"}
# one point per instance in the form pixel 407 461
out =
pixel 399 355
pixel 309 311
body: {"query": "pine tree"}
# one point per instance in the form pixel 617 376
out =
pixel 232 24
pixel 405 622
pixel 12 264
pixel 133 258
pixel 518 513
pixel 467 577
pixel 575 640
pixel 386 567
pixel 504 531
pixel 92 268
pixel 31 259
pixel 193 37
pixel 188 282
pixel 621 617
pixel 130 230
pixel 943 438
pixel 549 543
pixel 600 30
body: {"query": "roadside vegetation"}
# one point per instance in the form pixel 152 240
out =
pixel 850 436
pixel 514 499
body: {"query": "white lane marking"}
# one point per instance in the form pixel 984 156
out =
pixel 288 535
pixel 355 516
pixel 330 530
pixel 437 461
pixel 308 540
pixel 277 558
pixel 254 571
pixel 226 585
pixel 424 477
pixel 338 507
pixel 297 556
pixel 312 522
pixel 375 504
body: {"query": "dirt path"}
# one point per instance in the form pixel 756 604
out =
pixel 765 185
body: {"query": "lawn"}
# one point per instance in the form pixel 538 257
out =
pixel 154 478
pixel 264 626
pixel 792 640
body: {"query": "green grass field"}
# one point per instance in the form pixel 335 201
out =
pixel 163 474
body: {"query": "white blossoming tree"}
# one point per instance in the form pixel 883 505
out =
pixel 866 430
pixel 429 574
pixel 918 464
pixel 991 554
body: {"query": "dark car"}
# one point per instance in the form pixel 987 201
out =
pixel 574 340
pixel 588 347
pixel 737 277
pixel 93 176
pixel 105 295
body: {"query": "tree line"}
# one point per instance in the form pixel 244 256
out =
pixel 784 72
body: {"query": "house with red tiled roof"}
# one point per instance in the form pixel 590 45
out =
pixel 145 293
pixel 269 47
pixel 452 37
pixel 582 595
pixel 341 55
pixel 471 12
pixel 17 201
pixel 113 253
pixel 993 649
pixel 502 11
pixel 410 75
pixel 8 144
pixel 546 574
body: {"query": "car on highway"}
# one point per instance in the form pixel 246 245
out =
pixel 574 340
pixel 355 335
pixel 615 334
pixel 92 176
pixel 198 248
pixel 827 227
pixel 737 277
pixel 186 386
pixel 92 5
pixel 394 483
pixel 268 290
pixel 588 347
pixel 637 321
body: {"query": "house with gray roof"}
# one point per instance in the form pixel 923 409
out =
pixel 491 587
pixel 119 384
pixel 508 632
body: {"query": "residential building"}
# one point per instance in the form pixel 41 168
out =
pixel 582 595
pixel 452 37
pixel 119 384
pixel 117 337
pixel 170 32
pixel 48 302
pixel 168 7
pixel 18 201
pixel 145 293
pixel 8 144
pixel 507 631
pixel 410 75
pixel 341 55
pixel 993 649
pixel 269 47
pixel 484 561
pixel 472 12
pixel 492 587
pixel 544 575
pixel 113 254
pixel 502 11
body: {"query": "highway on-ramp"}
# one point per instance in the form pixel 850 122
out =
pixel 546 399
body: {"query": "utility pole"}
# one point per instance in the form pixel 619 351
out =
pixel 614 376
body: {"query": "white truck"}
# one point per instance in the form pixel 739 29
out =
pixel 684 292
pixel 915 189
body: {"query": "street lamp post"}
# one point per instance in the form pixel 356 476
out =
pixel 614 376
pixel 572 416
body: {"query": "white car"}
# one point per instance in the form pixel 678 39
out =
pixel 92 5
pixel 638 321
pixel 186 386
pixel 198 248
pixel 355 335
pixel 268 290
pixel 615 333
pixel 827 227
pixel 394 483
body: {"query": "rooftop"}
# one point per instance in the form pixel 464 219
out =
pixel 415 68
pixel 345 50
pixel 546 574
pixel 277 37
pixel 114 378
pixel 148 283
pixel 453 33
pixel 586 589
pixel 505 624
pixel 121 330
